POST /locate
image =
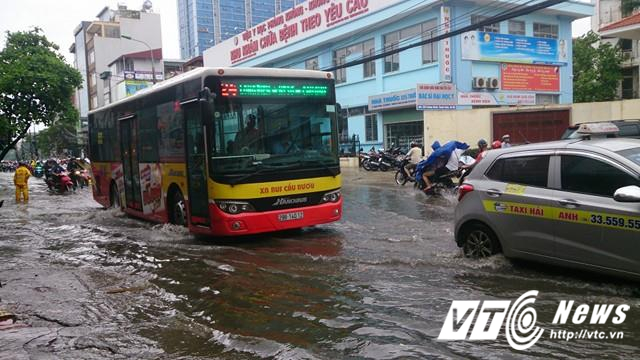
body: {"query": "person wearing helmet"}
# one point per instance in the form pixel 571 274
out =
pixel 21 181
pixel 506 141
pixel 496 145
pixel 482 149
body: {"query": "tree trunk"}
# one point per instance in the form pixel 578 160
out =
pixel 13 144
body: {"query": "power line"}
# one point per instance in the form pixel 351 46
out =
pixel 456 20
pixel 489 21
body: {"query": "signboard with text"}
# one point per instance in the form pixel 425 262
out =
pixel 484 46
pixel 393 100
pixel 435 96
pixel 529 77
pixel 305 20
pixel 499 98
pixel 445 45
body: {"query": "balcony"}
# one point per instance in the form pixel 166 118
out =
pixel 630 58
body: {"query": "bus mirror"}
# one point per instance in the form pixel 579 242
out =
pixel 205 95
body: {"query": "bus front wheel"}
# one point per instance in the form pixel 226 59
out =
pixel 178 210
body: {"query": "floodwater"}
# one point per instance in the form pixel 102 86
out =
pixel 93 284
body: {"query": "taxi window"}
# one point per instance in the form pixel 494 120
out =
pixel 526 170
pixel 589 176
pixel 632 154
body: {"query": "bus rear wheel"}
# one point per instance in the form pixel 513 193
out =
pixel 178 212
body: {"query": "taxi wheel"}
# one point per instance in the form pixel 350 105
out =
pixel 479 242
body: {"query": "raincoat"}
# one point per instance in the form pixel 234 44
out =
pixel 20 180
pixel 441 154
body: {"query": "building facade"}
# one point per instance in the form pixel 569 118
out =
pixel 204 23
pixel 521 61
pixel 619 24
pixel 99 45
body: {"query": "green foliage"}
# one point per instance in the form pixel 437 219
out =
pixel 36 86
pixel 628 6
pixel 60 136
pixel 596 69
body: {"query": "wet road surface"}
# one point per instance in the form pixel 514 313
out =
pixel 94 284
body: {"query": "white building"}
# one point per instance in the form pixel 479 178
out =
pixel 619 24
pixel 99 44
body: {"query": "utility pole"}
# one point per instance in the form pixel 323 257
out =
pixel 153 66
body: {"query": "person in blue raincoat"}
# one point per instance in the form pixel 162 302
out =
pixel 437 161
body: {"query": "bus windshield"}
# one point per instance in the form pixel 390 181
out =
pixel 266 131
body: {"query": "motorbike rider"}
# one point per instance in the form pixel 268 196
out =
pixel 21 181
pixel 414 155
pixel 506 141
pixel 436 164
pixel 56 171
pixel 72 166
pixel 482 149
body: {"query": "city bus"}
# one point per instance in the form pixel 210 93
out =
pixel 222 151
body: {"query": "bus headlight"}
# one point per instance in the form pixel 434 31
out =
pixel 332 196
pixel 234 207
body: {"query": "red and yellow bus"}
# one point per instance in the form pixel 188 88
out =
pixel 223 151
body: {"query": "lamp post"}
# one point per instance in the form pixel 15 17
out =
pixel 153 67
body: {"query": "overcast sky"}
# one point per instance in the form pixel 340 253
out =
pixel 58 19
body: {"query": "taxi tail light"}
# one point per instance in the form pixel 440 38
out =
pixel 463 190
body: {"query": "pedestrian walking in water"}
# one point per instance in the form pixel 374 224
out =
pixel 21 181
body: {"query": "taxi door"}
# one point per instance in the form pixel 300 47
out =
pixel 592 228
pixel 517 199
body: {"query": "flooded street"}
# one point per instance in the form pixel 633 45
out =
pixel 93 284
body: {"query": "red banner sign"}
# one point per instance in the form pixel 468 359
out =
pixel 525 77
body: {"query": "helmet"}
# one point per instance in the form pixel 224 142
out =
pixel 496 144
pixel 482 143
pixel 413 143
pixel 506 137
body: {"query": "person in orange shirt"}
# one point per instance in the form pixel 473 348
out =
pixel 21 181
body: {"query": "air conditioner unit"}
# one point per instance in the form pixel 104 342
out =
pixel 493 83
pixel 479 83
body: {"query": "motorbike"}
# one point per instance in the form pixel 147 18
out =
pixel 38 171
pixel 60 183
pixel 81 178
pixel 371 162
pixel 442 179
pixel 401 175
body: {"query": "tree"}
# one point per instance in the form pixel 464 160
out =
pixel 596 69
pixel 36 86
pixel 60 136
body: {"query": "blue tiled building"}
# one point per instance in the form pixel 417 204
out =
pixel 521 61
pixel 204 23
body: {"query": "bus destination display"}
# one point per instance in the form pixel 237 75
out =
pixel 229 89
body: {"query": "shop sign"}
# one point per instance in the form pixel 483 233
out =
pixel 435 96
pixel 393 100
pixel 142 75
pixel 483 46
pixel 303 21
pixel 496 98
pixel 445 45
pixel 530 77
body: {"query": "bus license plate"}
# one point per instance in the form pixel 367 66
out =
pixel 291 216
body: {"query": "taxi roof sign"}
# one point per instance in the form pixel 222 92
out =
pixel 602 128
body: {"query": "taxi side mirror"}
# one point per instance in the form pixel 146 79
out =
pixel 629 194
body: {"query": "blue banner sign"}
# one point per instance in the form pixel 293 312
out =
pixel 483 46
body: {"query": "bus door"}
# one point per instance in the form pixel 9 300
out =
pixel 196 158
pixel 130 168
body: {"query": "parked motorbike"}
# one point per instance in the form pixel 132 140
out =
pixel 60 183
